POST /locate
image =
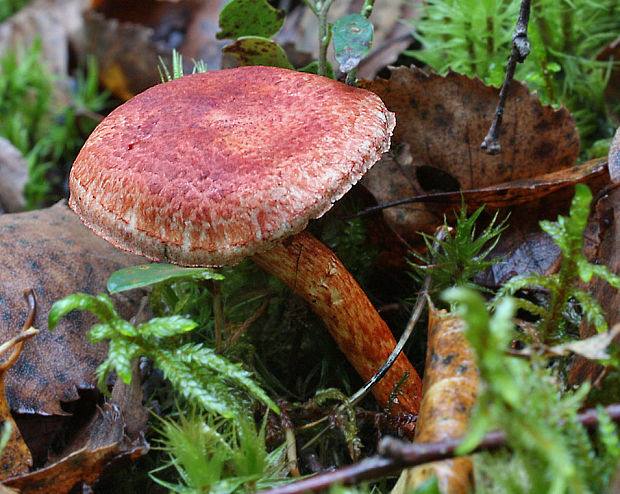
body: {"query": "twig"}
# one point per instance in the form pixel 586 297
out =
pixel 520 50
pixel 413 319
pixel 17 342
pixel 320 8
pixel 396 455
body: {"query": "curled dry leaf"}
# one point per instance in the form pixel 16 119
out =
pixel 101 442
pixel 450 389
pixel 602 243
pixel 14 173
pixel 592 348
pixel 440 124
pixel 443 120
pixel 51 252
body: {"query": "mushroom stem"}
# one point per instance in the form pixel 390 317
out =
pixel 314 273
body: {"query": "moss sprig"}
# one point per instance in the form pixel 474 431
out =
pixel 195 371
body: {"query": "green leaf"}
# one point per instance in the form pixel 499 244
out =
pixel 163 327
pixel 124 328
pixel 249 18
pixel 205 357
pixel 147 274
pixel 100 305
pixel 101 332
pixel 352 40
pixel 256 50
pixel 203 388
pixel 120 355
pixel 313 68
pixel 429 486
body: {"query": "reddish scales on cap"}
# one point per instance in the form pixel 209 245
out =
pixel 214 167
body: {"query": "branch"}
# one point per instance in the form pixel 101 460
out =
pixel 396 455
pixel 520 50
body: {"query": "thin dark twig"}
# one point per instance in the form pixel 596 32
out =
pixel 440 235
pixel 397 454
pixel 520 50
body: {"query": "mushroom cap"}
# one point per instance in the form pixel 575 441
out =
pixel 211 168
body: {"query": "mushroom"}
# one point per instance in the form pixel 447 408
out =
pixel 211 168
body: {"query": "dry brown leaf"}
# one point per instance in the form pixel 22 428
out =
pixel 450 389
pixel 592 348
pixel 14 173
pixel 129 37
pixel 443 120
pixel 51 252
pixel 605 248
pixel 102 441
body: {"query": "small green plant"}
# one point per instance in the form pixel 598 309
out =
pixel 47 133
pixel 474 38
pixel 212 454
pixel 177 67
pixel 567 233
pixel 196 372
pixel 458 258
pixel 252 23
pixel 551 452
pixel 10 7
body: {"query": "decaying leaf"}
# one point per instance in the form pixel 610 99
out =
pixel 14 173
pixel 443 120
pixel 102 441
pixel 255 50
pixel 604 239
pixel 128 37
pixel 592 348
pixel 450 389
pixel 51 252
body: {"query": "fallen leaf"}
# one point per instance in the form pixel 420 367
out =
pixel 450 390
pixel 592 348
pixel 51 252
pixel 605 228
pixel 102 441
pixel 14 173
pixel 128 38
pixel 443 120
